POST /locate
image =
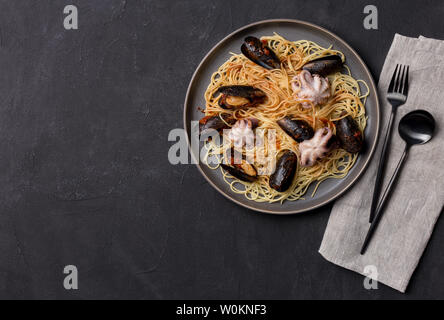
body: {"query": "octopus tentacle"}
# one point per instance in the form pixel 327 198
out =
pixel 315 148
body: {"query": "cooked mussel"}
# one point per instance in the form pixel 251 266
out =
pixel 333 143
pixel 299 130
pixel 259 53
pixel 215 123
pixel 283 176
pixel 239 167
pixel 325 65
pixel 349 135
pixel 238 97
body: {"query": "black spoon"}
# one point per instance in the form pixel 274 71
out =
pixel 416 127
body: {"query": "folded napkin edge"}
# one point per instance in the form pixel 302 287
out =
pixel 399 286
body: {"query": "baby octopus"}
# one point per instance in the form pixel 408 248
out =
pixel 242 132
pixel 310 87
pixel 316 148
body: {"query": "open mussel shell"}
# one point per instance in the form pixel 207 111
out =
pixel 259 53
pixel 239 96
pixel 349 135
pixel 283 176
pixel 325 65
pixel 299 130
pixel 239 166
pixel 239 173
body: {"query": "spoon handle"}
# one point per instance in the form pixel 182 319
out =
pixel 380 210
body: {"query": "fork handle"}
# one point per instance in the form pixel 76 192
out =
pixel 381 166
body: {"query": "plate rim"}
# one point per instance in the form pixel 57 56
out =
pixel 372 87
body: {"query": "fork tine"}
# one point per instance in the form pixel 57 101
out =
pixel 402 84
pixel 400 78
pixel 398 85
pixel 392 82
pixel 405 91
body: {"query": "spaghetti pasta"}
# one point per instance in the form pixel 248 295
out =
pixel 346 99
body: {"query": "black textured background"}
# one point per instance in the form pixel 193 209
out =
pixel 84 174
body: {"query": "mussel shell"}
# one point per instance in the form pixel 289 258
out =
pixel 237 173
pixel 285 171
pixel 325 65
pixel 349 135
pixel 256 51
pixel 247 92
pixel 333 143
pixel 299 130
pixel 253 95
pixel 215 123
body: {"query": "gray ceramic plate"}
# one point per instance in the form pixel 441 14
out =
pixel 292 30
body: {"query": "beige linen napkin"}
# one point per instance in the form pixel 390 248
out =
pixel 418 199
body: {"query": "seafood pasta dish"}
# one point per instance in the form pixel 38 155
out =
pixel 280 116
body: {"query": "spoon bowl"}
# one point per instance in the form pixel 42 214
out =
pixel 417 127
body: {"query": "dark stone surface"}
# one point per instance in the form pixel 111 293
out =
pixel 84 174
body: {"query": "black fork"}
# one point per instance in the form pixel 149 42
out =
pixel 397 96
